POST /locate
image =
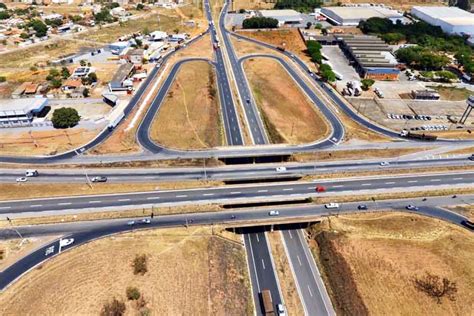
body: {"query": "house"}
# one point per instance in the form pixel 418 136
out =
pixel 118 47
pixel 135 56
pixel 31 88
pixel 81 72
pixel 178 37
pixel 71 84
pixel 118 12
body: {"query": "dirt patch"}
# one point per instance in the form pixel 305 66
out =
pixel 252 5
pixel 189 117
pixel 44 142
pixel 189 272
pixel 287 113
pixel 285 276
pixel 288 38
pixel 381 254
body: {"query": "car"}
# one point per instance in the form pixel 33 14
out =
pixel 248 100
pixel 411 207
pixel 281 310
pixel 331 205
pixel 131 223
pixel 22 179
pixel 281 169
pixel 384 163
pixel 99 179
pixel 273 213
pixel 145 221
pixel 320 188
pixel 471 157
pixel 362 207
pixel 468 223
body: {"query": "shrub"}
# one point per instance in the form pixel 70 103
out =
pixel 367 83
pixel 436 288
pixel 132 293
pixel 65 118
pixel 3 78
pixel 113 308
pixel 260 23
pixel 140 264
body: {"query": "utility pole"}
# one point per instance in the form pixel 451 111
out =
pixel 16 231
pixel 88 181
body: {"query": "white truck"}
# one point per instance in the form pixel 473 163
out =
pixel 115 119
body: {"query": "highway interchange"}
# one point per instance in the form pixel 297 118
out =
pixel 229 70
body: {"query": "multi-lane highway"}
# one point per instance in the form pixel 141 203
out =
pixel 240 193
pixel 85 231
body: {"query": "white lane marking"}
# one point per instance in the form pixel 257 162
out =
pixel 151 177
pixel 181 196
pixel 65 203
pixel 366 184
pixel 390 182
pixel 258 239
pixel 123 200
pixel 208 194
pixel 236 192
pixel 435 180
pixel 310 293
pixel 310 188
pixel 153 198
pixel 5 207
pixel 299 260
pixel 289 233
pixel 93 202
pixel 262 191
pixel 263 264
pixel 413 181
pixel 36 205
pixel 338 186
pixel 457 178
pixel 288 189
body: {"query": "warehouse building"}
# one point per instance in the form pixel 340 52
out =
pixel 20 111
pixel 452 20
pixel 284 17
pixel 120 80
pixel 371 57
pixel 352 15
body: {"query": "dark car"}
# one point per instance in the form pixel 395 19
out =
pixel 362 207
pixel 468 224
pixel 471 157
pixel 411 207
pixel 99 179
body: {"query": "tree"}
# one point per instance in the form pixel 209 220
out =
pixel 367 83
pixel 85 92
pixel 242 11
pixel 4 15
pixel 83 63
pixel 65 118
pixel 436 288
pixel 40 28
pixel 140 6
pixel 326 73
pixel 3 78
pixel 113 308
pixel 3 6
pixel 260 23
pixel 55 83
pixel 298 5
pixel 146 31
pixel 308 25
pixel 65 73
pixel 54 22
pixel 24 35
pixel 104 16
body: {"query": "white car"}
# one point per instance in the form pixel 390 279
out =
pixel 22 179
pixel 281 310
pixel 384 163
pixel 273 213
pixel 332 205
pixel 281 169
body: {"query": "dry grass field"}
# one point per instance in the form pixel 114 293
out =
pixel 351 154
pixel 44 142
pixel 189 118
pixel 370 262
pixel 189 272
pixel 11 191
pixel 287 113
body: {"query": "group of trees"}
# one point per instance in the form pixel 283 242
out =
pixel 39 27
pixel 104 16
pixel 441 76
pixel 298 5
pixel 55 76
pixel 326 73
pixel 422 58
pixel 432 42
pixel 314 51
pixel 260 23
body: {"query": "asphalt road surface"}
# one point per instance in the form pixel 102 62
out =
pixel 235 193
pixel 85 231
pixel 310 286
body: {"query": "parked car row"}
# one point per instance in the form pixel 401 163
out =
pixel 430 128
pixel 409 117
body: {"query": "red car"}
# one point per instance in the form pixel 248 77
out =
pixel 320 188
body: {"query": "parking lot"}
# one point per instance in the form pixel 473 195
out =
pixel 340 64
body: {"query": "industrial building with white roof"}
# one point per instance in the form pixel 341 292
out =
pixel 452 20
pixel 352 15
